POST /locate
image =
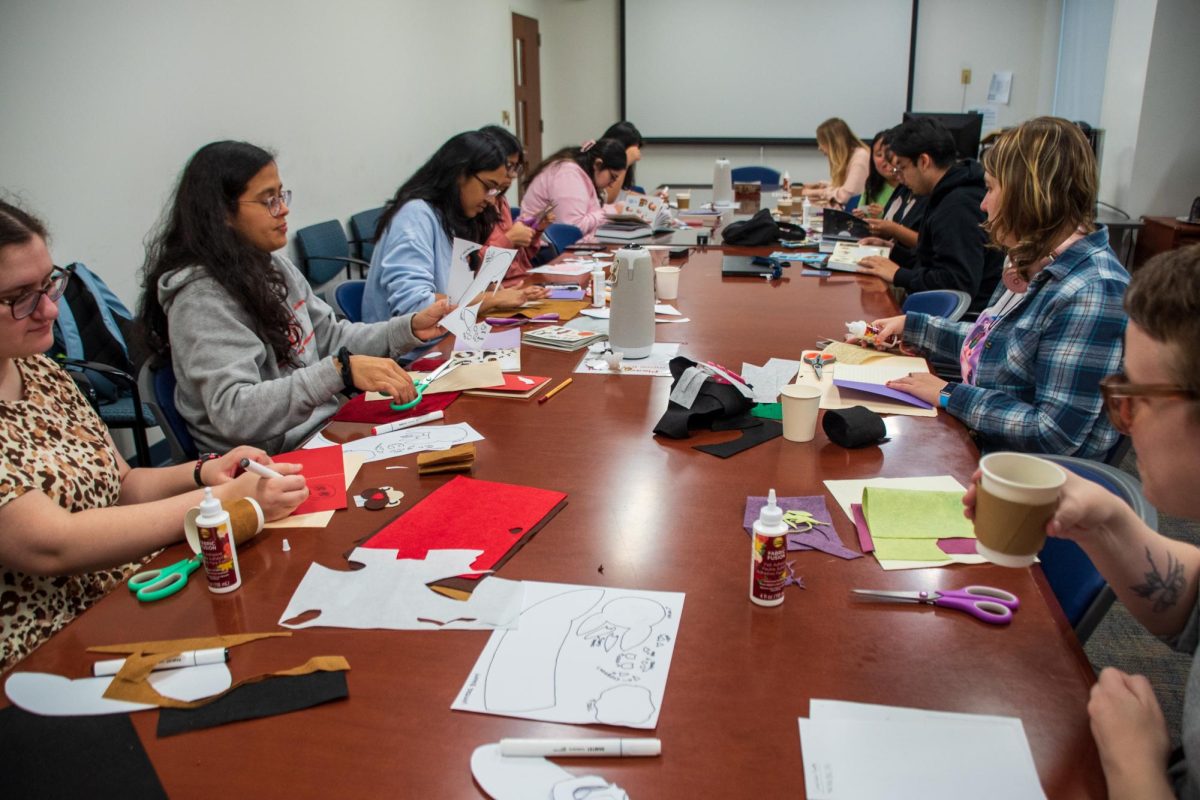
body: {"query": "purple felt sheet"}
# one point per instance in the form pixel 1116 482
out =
pixel 882 391
pixel 822 537
pixel 961 546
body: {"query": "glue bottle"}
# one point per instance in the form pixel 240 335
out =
pixel 785 184
pixel 768 555
pixel 598 288
pixel 806 213
pixel 217 546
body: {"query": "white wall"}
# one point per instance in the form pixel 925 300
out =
pixel 104 102
pixel 1120 109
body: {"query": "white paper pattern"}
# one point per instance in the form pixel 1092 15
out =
pixel 55 696
pixel 405 442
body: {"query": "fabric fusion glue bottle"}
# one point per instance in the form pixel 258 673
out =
pixel 217 546
pixel 768 555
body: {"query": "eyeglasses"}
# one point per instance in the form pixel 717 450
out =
pixel 1119 394
pixel 24 304
pixel 514 168
pixel 492 191
pixel 275 203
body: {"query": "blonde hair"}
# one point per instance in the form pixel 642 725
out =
pixel 840 143
pixel 1046 173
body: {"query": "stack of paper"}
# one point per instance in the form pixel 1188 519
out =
pixel 559 337
pixel 856 750
pixel 515 387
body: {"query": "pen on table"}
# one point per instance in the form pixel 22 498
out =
pixel 407 423
pixel 580 747
pixel 555 390
pixel 258 469
pixel 188 658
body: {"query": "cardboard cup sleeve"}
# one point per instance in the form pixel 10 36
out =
pixel 1014 529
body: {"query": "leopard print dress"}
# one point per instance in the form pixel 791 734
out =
pixel 51 441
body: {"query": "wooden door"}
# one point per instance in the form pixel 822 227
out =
pixel 527 86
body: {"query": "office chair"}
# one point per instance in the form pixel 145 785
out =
pixel 349 296
pixel 558 237
pixel 516 212
pixel 126 411
pixel 764 175
pixel 1081 590
pixel 948 303
pixel 324 250
pixel 362 232
pixel 158 386
pixel 852 203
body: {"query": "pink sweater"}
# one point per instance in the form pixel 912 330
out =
pixel 856 178
pixel 576 200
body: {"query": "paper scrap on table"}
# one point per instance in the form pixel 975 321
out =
pixel 667 310
pixel 463 320
pixel 522 778
pixel 590 325
pixel 605 313
pixel 581 655
pixel 768 380
pixel 408 441
pixel 391 593
pixel 568 268
pixel 821 537
pixel 351 464
pixel 657 364
pixel 56 696
pixel 854 750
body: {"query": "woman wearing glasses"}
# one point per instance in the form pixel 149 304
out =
pixel 1156 401
pixel 257 355
pixel 524 235
pixel 573 179
pixel 452 196
pixel 1031 364
pixel 72 512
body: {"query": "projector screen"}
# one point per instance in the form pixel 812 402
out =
pixel 751 71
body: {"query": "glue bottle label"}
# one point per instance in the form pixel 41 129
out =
pixel 768 571
pixel 220 557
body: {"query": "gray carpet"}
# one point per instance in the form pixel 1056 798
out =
pixel 1120 641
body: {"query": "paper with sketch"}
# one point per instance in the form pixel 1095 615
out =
pixel 493 265
pixel 407 441
pixel 525 777
pixel 391 593
pixel 55 696
pixel 767 381
pixel 854 750
pixel 581 655
pixel 656 365
pixel 351 464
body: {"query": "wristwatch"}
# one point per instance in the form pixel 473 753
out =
pixel 200 464
pixel 944 395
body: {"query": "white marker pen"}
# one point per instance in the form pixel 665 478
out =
pixel 408 423
pixel 189 658
pixel 258 469
pixel 564 748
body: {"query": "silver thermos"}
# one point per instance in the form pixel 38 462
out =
pixel 631 320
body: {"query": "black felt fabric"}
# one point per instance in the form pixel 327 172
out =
pixel 768 430
pixel 715 402
pixel 68 757
pixel 266 698
pixel 857 426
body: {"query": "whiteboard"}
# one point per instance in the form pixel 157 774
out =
pixel 756 70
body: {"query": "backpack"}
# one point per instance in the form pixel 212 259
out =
pixel 93 325
pixel 759 230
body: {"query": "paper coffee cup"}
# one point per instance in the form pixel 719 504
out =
pixel 245 517
pixel 666 282
pixel 1017 496
pixel 785 206
pixel 800 406
pixel 683 200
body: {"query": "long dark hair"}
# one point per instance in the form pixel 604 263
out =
pixel 628 135
pixel 610 152
pixel 509 144
pixel 875 179
pixel 436 182
pixel 196 232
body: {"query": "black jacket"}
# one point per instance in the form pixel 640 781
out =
pixel 952 251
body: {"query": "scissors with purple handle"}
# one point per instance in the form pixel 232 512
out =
pixel 986 603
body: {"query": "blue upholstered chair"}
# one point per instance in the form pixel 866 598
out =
pixel 362 232
pixel 557 237
pixel 324 251
pixel 764 175
pixel 158 387
pixel 349 296
pixel 948 303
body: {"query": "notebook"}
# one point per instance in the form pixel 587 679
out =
pixel 515 387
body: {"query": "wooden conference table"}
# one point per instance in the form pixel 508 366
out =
pixel 644 513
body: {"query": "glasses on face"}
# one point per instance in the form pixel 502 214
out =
pixel 1119 394
pixel 275 203
pixel 492 191
pixel 24 304
pixel 514 168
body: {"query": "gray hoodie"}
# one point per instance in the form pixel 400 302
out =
pixel 230 389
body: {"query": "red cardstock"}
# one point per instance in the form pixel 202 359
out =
pixel 325 474
pixel 468 514
pixel 379 412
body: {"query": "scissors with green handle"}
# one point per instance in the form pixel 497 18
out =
pixel 155 584
pixel 425 383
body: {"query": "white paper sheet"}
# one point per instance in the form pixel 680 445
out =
pixel 853 750
pixel 582 655
pixel 391 593
pixel 532 778
pixel 463 321
pixel 656 365
pixel 405 442
pixel 568 268
pixel 55 696
pixel 770 378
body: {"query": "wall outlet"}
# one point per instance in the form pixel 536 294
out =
pixel 504 118
pixel 966 76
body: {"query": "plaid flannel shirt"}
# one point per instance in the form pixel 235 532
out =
pixel 1037 388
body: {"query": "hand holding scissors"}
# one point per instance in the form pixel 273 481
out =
pixel 986 603
pixel 155 584
pixel 818 360
pixel 425 383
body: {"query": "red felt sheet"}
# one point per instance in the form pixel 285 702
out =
pixel 379 412
pixel 325 474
